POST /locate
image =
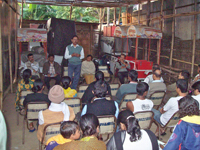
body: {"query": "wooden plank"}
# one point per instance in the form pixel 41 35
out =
pixel 16 52
pixel 1 67
pixel 119 15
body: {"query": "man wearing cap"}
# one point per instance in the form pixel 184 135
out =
pixel 58 111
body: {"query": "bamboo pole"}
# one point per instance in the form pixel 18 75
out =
pixel 158 50
pixel 108 16
pixel 194 39
pixel 139 15
pixel 21 21
pixel 161 14
pixel 114 22
pixel 16 52
pixel 126 15
pixel 173 34
pixel 136 49
pixel 91 38
pixel 1 68
pixel 148 12
pixel 119 15
pixel 70 17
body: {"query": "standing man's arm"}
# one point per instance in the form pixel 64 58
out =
pixel 82 54
pixel 67 56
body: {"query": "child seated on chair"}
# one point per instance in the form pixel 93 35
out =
pixel 66 82
pixel 69 131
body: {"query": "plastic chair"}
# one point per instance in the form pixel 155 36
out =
pixel 126 98
pixel 75 103
pixel 81 90
pixel 114 88
pixel 108 125
pixel 144 118
pixel 157 98
pixel 31 113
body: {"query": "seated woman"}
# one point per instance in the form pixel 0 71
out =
pixel 89 124
pixel 131 136
pixel 187 131
pixel 66 82
pixel 37 96
pixel 24 84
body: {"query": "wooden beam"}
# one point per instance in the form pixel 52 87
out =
pixel 114 22
pixel 108 16
pixel 148 12
pixel 126 15
pixel 161 14
pixel 70 17
pixel 1 67
pixel 139 15
pixel 21 21
pixel 158 50
pixel 16 52
pixel 120 9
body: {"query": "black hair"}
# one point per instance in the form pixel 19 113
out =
pixel 68 128
pixel 182 84
pixel 133 75
pixel 99 75
pixel 196 85
pixel 156 74
pixel 132 126
pixel 188 106
pixel 29 55
pixel 185 74
pixel 74 36
pixel 199 65
pixel 51 55
pixel 66 80
pixel 37 85
pixel 123 55
pixel 100 89
pixel 26 75
pixel 90 56
pixel 89 123
pixel 155 66
pixel 141 88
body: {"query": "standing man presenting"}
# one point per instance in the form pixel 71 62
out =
pixel 74 53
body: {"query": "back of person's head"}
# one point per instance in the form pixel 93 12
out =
pixel 155 66
pixel 188 106
pixel 131 123
pixel 37 85
pixel 99 75
pixel 66 81
pixel 100 89
pixel 26 75
pixel 185 74
pixel 30 54
pixel 89 124
pixel 196 85
pixel 68 128
pixel 157 73
pixel 141 88
pixel 133 75
pixel 182 84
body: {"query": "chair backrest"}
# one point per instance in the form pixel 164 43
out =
pixel 50 130
pixel 104 70
pixel 157 97
pixel 114 88
pixel 32 109
pixel 23 95
pixel 127 98
pixel 108 124
pixel 144 119
pixel 81 90
pixel 173 120
pixel 75 103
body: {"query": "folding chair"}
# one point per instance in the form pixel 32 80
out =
pixel 144 118
pixel 81 90
pixel 114 88
pixel 75 103
pixel 157 98
pixel 22 97
pixel 31 113
pixel 108 125
pixel 127 98
pixel 49 131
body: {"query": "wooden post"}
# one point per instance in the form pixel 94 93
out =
pixel 108 16
pixel 126 15
pixel 114 22
pixel 136 49
pixel 158 50
pixel 91 38
pixel 119 15
pixel 70 13
pixel 9 49
pixel 173 34
pixel 161 14
pixel 122 46
pixel 146 49
pixel 148 12
pixel 21 21
pixel 16 52
pixel 194 39
pixel 149 49
pixel 139 15
pixel 1 67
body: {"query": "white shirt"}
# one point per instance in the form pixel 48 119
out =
pixel 197 97
pixel 170 107
pixel 149 79
pixel 34 66
pixel 56 108
pixel 142 144
pixel 67 56
pixel 142 105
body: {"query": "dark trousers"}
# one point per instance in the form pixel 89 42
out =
pixel 48 79
pixel 121 76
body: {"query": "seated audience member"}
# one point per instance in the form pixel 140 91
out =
pixel 156 84
pixel 131 136
pixel 149 78
pixel 88 69
pixel 122 68
pixel 89 95
pixel 163 115
pixel 66 82
pixel 3 132
pixel 127 88
pixel 33 66
pixel 89 124
pixel 69 131
pixel 196 87
pixel 197 77
pixel 58 111
pixel 101 106
pixel 51 70
pixel 37 96
pixel 24 84
pixel 171 89
pixel 187 131
pixel 140 103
